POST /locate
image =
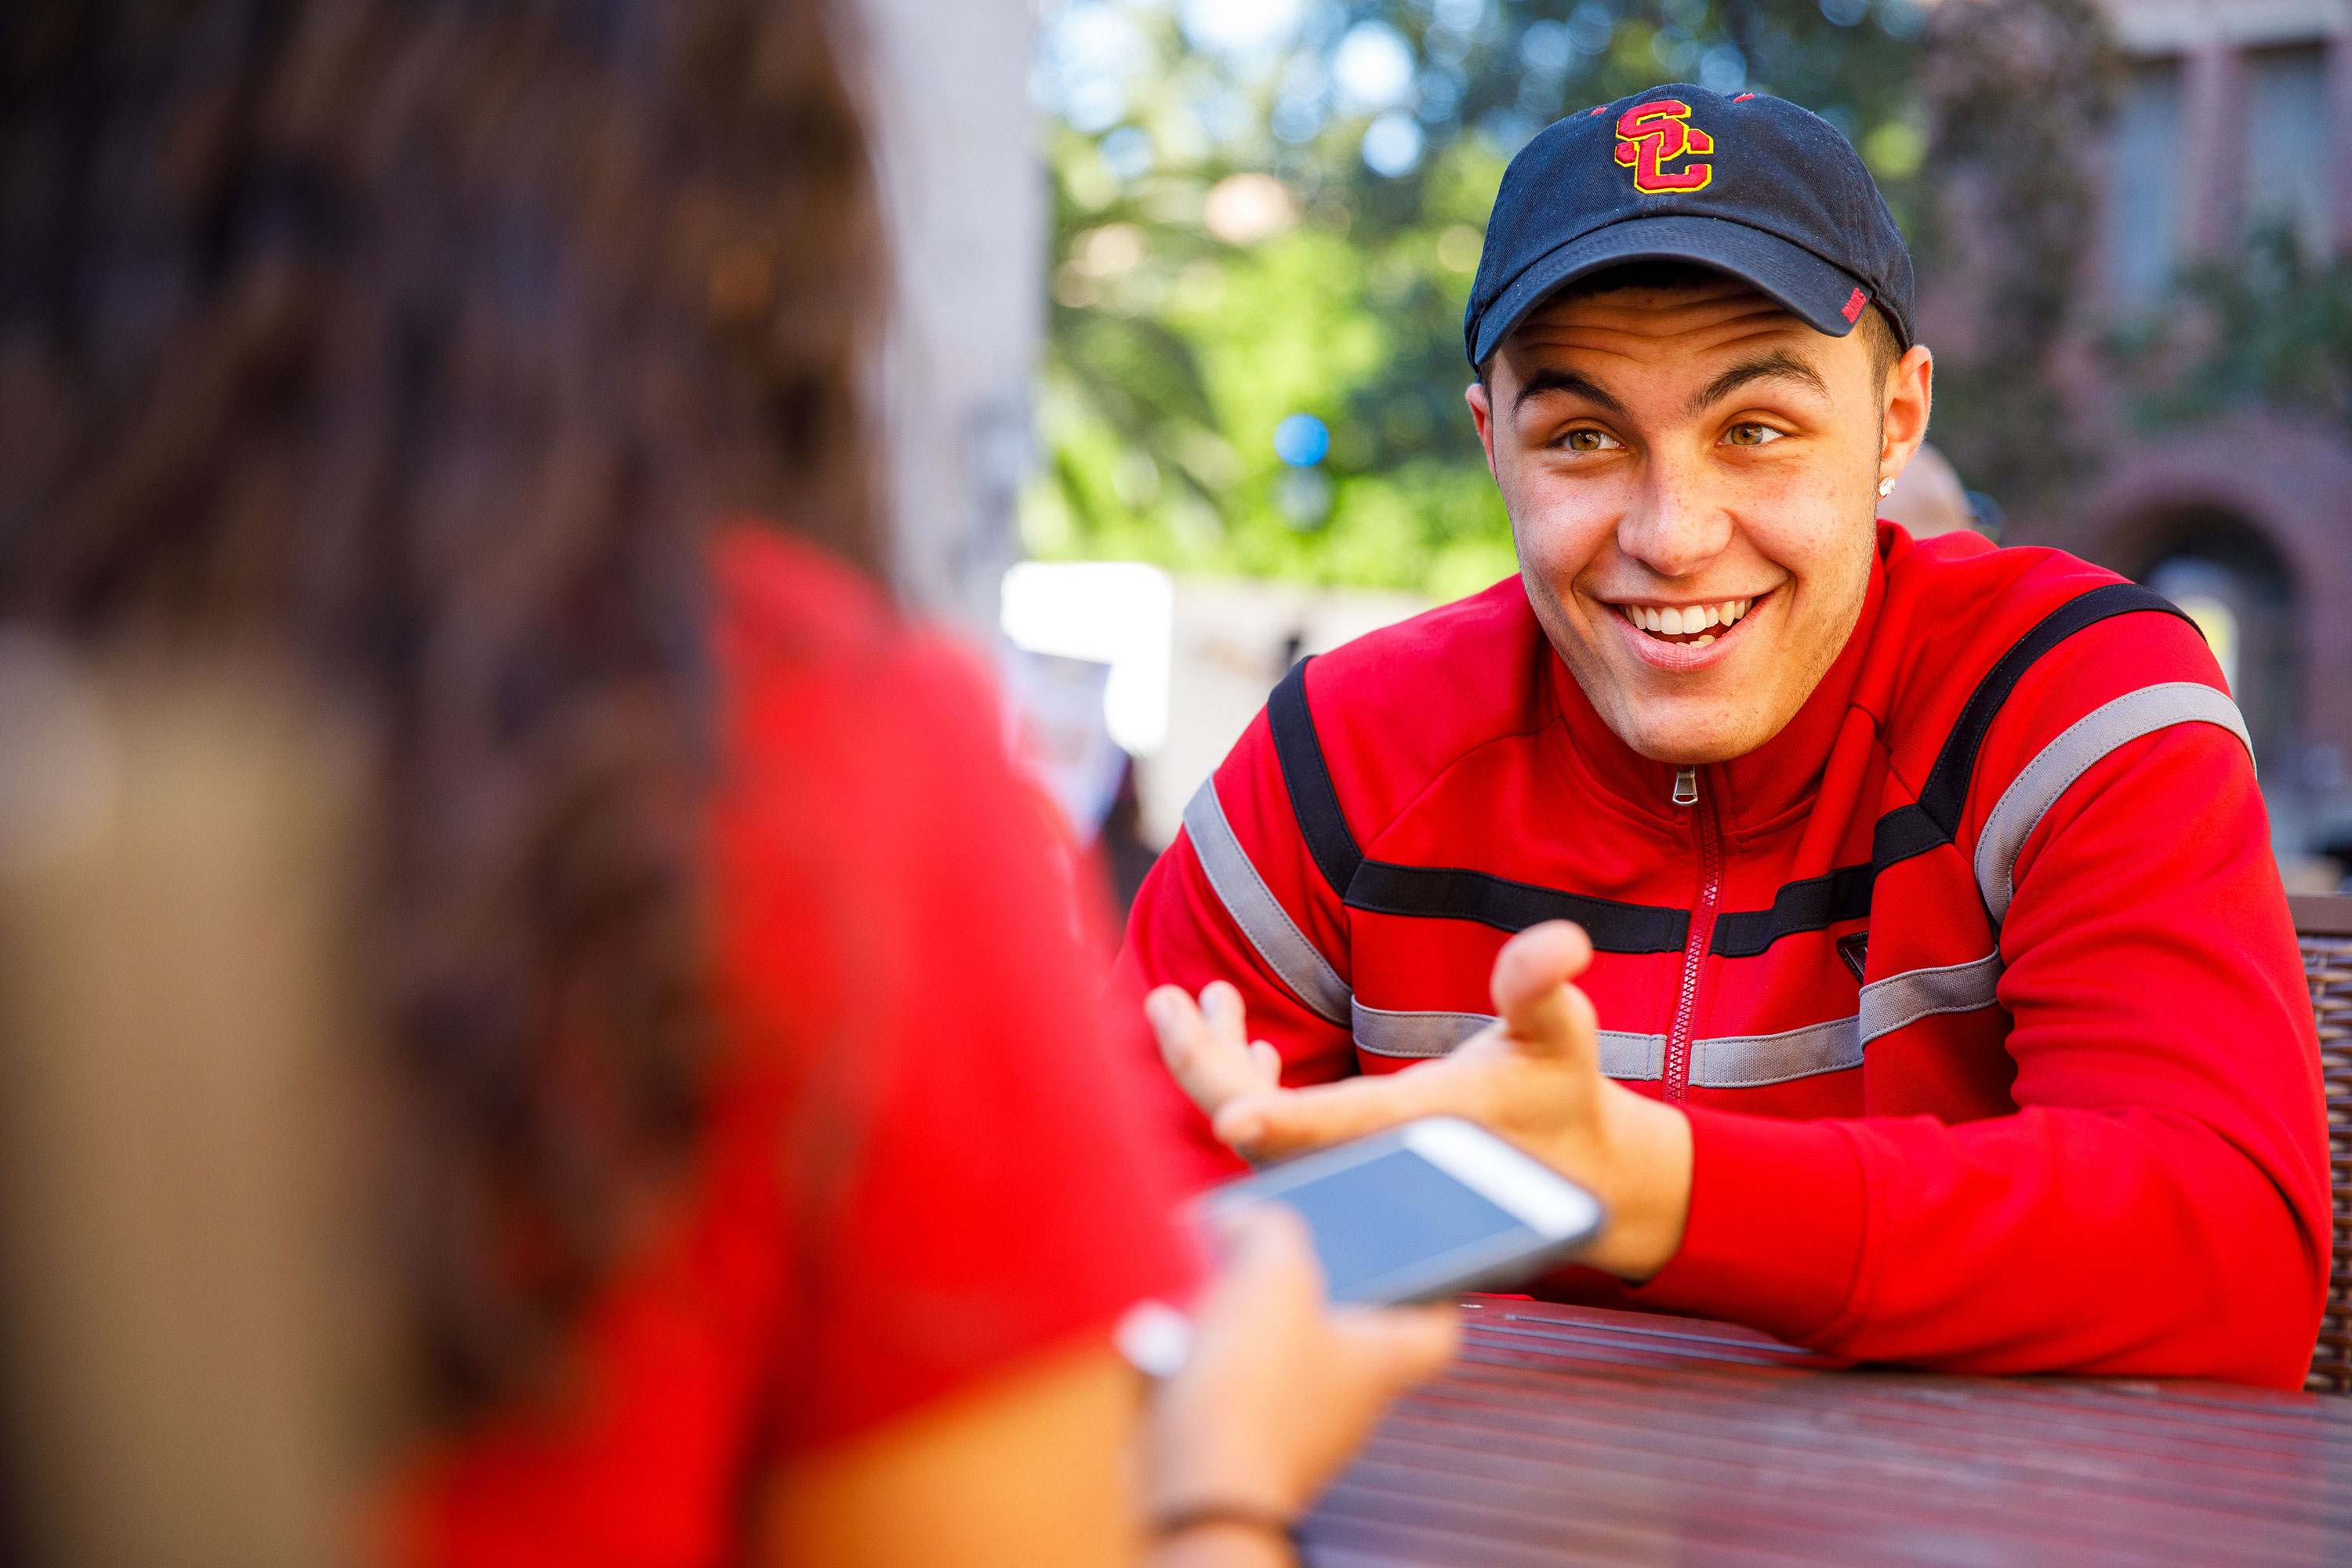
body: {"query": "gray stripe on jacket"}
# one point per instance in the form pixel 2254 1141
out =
pixel 1258 913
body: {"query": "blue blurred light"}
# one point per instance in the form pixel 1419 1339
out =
pixel 1546 48
pixel 1902 18
pixel 1126 153
pixel 1302 440
pixel 1723 70
pixel 1505 132
pixel 1590 27
pixel 1457 15
pixel 1393 144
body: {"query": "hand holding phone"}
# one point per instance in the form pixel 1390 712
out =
pixel 1278 1388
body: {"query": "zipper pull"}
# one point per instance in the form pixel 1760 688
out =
pixel 1686 786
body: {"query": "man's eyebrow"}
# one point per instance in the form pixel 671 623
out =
pixel 1552 379
pixel 1780 365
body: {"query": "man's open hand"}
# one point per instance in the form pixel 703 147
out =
pixel 1534 1077
pixel 1207 1048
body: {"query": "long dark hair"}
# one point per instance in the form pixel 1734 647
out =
pixel 420 341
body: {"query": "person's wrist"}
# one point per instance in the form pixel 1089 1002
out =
pixel 1223 1546
pixel 1223 1532
pixel 1197 1469
pixel 1643 1174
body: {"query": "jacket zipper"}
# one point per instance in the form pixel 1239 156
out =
pixel 1692 789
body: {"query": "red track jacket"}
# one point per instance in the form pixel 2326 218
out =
pixel 1977 982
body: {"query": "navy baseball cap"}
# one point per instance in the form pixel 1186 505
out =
pixel 1751 185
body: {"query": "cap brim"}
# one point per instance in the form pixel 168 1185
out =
pixel 1817 292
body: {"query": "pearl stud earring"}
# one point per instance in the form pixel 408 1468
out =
pixel 1886 486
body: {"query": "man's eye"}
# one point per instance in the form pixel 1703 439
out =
pixel 1590 441
pixel 1752 435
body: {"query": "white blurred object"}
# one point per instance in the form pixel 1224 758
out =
pixel 1155 1338
pixel 1928 497
pixel 1372 68
pixel 1244 28
pixel 1053 712
pixel 1115 613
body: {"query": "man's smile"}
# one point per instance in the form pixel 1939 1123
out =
pixel 1703 634
pixel 1693 625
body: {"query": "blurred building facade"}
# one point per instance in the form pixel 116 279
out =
pixel 2231 116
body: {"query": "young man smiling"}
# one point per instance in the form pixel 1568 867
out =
pixel 1934 995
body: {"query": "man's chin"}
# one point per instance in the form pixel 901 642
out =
pixel 1683 728
pixel 1687 732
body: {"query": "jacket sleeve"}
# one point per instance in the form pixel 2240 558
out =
pixel 1237 897
pixel 2159 1205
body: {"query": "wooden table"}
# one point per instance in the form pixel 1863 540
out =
pixel 1575 1434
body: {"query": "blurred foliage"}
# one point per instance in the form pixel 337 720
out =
pixel 1270 208
pixel 2269 328
pixel 2015 90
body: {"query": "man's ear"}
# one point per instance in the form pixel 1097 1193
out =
pixel 1481 413
pixel 1909 393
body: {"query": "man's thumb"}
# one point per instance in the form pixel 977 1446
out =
pixel 1531 989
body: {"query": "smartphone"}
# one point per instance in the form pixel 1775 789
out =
pixel 1424 1210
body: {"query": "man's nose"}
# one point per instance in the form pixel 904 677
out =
pixel 1673 527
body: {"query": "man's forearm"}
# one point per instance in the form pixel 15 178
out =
pixel 2055 1240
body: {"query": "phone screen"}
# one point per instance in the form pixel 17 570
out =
pixel 1397 1213
pixel 1422 1210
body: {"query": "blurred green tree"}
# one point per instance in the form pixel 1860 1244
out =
pixel 1272 208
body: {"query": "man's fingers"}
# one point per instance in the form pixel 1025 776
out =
pixel 1209 1065
pixel 1221 1004
pixel 1539 1006
pixel 1268 1126
pixel 1267 1061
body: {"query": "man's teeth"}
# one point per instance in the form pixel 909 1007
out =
pixel 1672 621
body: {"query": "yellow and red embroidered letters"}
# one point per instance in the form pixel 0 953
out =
pixel 1652 135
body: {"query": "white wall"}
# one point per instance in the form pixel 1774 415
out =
pixel 1230 642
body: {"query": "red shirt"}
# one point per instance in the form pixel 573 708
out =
pixel 1977 981
pixel 927 1161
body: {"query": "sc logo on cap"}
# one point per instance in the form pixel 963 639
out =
pixel 1652 135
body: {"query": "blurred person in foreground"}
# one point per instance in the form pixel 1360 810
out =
pixel 1935 998
pixel 483 384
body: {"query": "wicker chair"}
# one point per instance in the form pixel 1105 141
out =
pixel 2324 928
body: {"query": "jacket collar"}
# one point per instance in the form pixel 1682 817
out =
pixel 1777 777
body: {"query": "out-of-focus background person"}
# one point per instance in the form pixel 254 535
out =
pixel 1927 499
pixel 538 1025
